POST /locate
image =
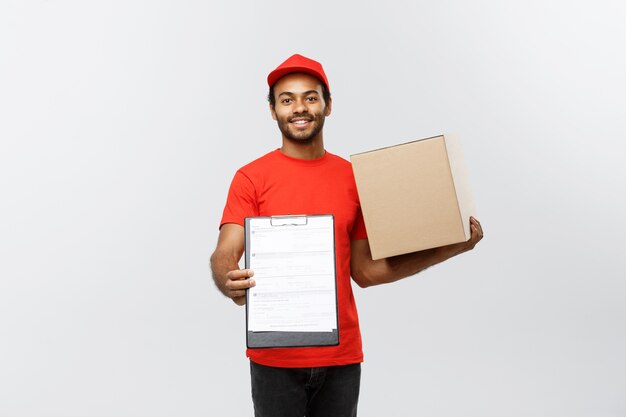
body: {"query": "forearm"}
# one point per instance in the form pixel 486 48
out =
pixel 402 266
pixel 367 272
pixel 229 279
pixel 221 264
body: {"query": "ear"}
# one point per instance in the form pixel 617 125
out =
pixel 273 112
pixel 329 106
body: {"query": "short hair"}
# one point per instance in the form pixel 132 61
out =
pixel 325 95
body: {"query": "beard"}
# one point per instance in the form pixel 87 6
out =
pixel 302 136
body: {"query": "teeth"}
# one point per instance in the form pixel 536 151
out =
pixel 300 122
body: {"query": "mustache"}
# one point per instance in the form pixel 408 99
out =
pixel 308 117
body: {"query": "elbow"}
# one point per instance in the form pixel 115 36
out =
pixel 364 284
pixel 362 278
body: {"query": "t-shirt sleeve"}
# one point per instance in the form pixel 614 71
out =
pixel 241 201
pixel 358 228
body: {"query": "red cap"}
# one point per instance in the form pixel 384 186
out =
pixel 298 63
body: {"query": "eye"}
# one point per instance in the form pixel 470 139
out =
pixel 311 99
pixel 286 101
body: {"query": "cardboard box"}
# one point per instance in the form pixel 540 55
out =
pixel 414 196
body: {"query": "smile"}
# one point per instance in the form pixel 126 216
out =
pixel 300 121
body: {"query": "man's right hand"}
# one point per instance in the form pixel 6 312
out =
pixel 237 282
pixel 231 281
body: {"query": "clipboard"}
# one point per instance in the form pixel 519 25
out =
pixel 294 303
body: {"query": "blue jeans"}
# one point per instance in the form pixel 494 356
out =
pixel 312 392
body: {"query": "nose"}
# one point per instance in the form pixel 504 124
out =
pixel 300 107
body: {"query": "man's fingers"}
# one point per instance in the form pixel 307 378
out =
pixel 238 282
pixel 239 300
pixel 234 294
pixel 476 232
pixel 475 224
pixel 239 274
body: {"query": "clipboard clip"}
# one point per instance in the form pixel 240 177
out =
pixel 290 220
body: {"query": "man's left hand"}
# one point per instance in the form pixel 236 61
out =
pixel 476 236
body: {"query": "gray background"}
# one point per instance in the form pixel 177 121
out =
pixel 122 123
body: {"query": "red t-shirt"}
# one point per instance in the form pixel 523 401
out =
pixel 277 184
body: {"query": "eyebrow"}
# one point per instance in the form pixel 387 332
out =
pixel 289 93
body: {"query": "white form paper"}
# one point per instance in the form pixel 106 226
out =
pixel 293 259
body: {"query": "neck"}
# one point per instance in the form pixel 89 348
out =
pixel 303 150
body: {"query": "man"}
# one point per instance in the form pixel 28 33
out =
pixel 301 177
